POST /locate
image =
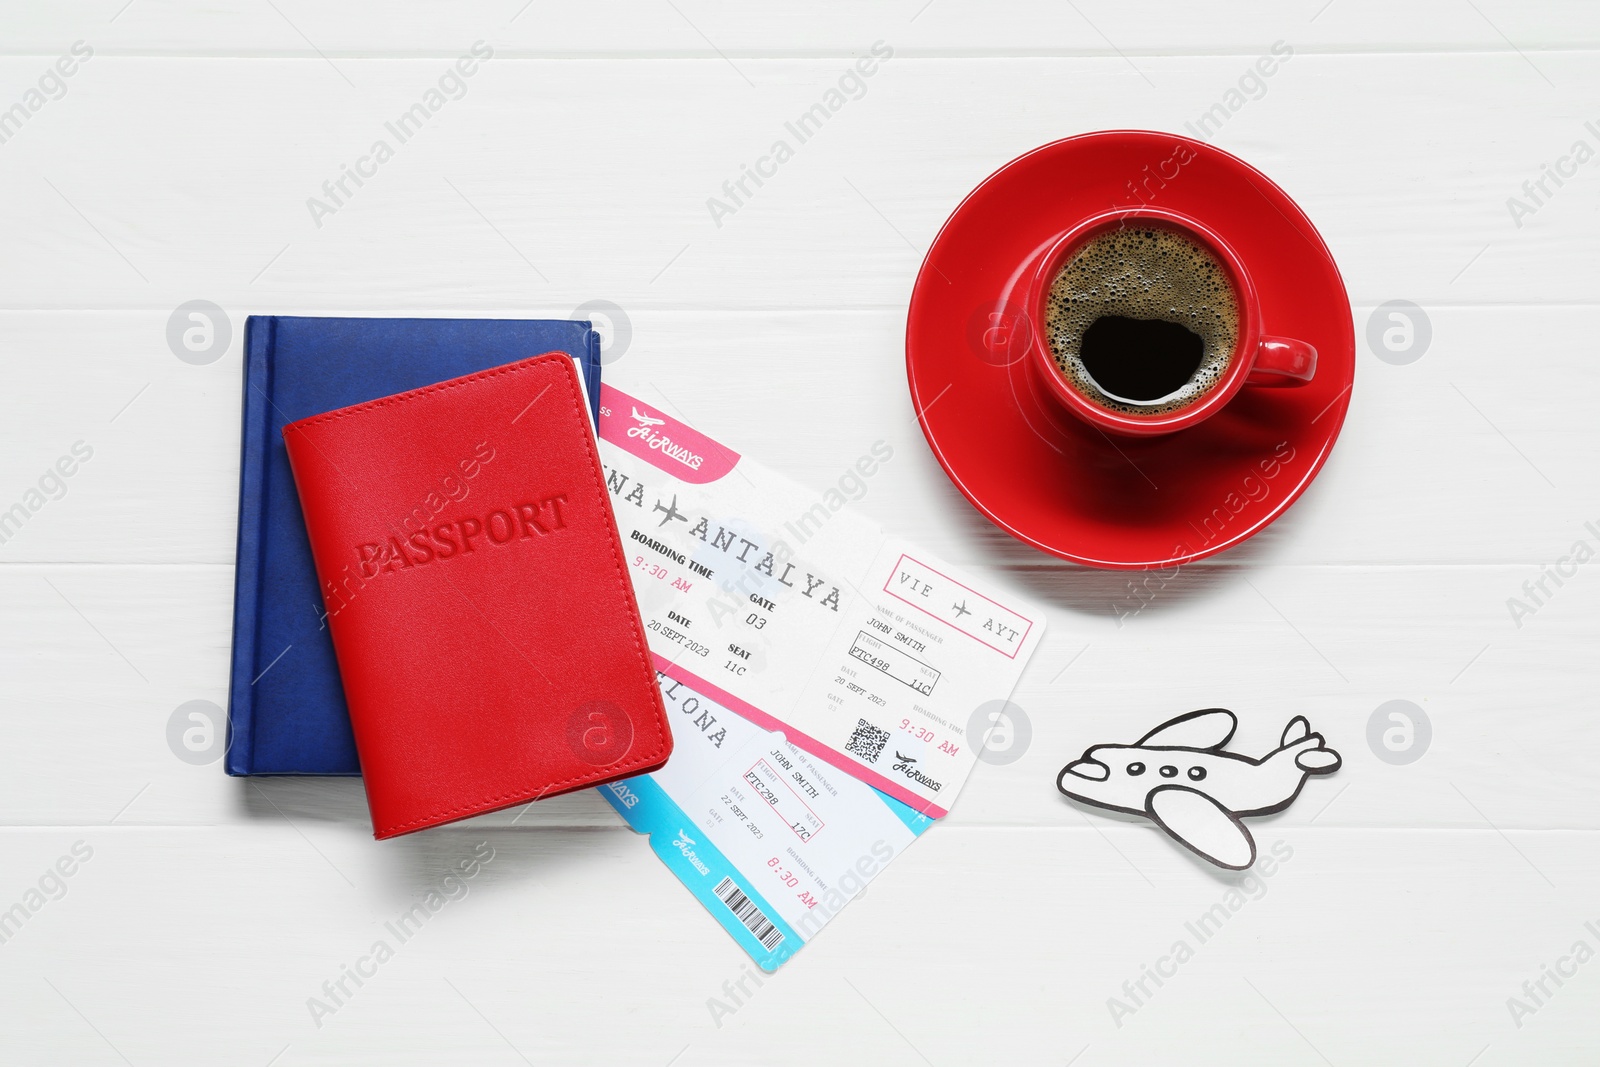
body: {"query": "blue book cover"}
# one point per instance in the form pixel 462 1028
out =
pixel 286 709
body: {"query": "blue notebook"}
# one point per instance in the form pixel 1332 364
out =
pixel 286 710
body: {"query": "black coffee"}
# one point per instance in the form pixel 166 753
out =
pixel 1142 321
pixel 1140 359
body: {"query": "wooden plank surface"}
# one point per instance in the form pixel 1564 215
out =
pixel 574 165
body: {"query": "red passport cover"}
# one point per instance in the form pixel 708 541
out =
pixel 488 640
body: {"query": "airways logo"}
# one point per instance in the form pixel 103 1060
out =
pixel 500 527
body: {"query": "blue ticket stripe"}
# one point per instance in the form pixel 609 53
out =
pixel 701 866
pixel 915 821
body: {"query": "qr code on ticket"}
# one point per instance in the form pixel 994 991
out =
pixel 867 741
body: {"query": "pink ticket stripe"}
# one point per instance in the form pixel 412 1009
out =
pixel 795 737
pixel 661 440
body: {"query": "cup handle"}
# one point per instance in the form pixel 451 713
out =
pixel 1283 361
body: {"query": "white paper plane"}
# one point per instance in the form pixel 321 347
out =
pixel 1178 776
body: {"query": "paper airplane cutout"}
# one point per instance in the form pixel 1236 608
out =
pixel 1178 777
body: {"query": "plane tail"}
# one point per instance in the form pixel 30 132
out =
pixel 1311 752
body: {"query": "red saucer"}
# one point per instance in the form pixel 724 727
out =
pixel 1043 475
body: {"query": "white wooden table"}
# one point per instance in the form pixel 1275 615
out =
pixel 202 913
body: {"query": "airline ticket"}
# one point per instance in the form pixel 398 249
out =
pixel 865 651
pixel 773 841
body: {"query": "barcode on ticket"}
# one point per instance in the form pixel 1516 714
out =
pixel 744 909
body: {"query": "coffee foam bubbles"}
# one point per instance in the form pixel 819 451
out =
pixel 1149 272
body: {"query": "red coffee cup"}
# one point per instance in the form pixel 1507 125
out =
pixel 1258 359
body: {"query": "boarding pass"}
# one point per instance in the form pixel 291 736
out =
pixel 770 839
pixel 865 651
